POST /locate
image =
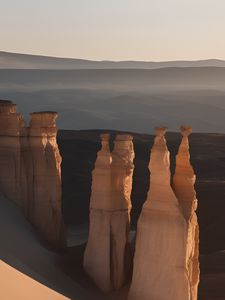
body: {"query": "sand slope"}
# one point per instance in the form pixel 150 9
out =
pixel 20 249
pixel 16 285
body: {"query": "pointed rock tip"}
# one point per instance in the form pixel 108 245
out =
pixel 105 137
pixel 185 130
pixel 160 130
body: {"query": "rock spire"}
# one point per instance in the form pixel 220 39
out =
pixel 160 271
pixel 183 184
pixel 106 257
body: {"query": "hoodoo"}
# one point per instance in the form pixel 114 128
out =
pixel 183 184
pixel 122 168
pixel 160 271
pixel 45 195
pixel 10 163
pixel 106 253
pixel 30 172
pixel 97 252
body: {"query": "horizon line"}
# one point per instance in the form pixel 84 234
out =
pixel 111 60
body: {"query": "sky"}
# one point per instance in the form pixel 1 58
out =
pixel 152 30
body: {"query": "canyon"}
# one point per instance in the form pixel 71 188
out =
pixel 32 152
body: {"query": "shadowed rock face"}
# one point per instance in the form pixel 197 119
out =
pixel 30 172
pixel 183 185
pixel 45 196
pixel 10 162
pixel 160 256
pixel 107 253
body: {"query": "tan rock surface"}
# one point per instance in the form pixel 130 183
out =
pixel 160 271
pixel 10 160
pixel 30 172
pixel 122 168
pixel 183 184
pixel 105 258
pixel 45 198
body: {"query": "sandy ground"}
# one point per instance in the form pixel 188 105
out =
pixel 16 285
pixel 21 250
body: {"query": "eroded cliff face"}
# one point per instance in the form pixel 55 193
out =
pixel 160 270
pixel 10 126
pixel 30 172
pixel 183 185
pixel 106 257
pixel 45 195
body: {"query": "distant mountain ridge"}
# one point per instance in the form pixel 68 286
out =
pixel 27 61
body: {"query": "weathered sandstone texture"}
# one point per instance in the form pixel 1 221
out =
pixel 10 159
pixel 106 257
pixel 30 172
pixel 183 184
pixel 160 271
pixel 45 195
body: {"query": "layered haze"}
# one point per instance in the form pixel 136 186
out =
pixel 132 96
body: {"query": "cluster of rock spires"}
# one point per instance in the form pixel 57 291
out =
pixel 107 255
pixel 165 265
pixel 166 259
pixel 30 169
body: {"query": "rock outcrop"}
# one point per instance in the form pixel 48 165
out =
pixel 44 196
pixel 183 184
pixel 160 271
pixel 30 172
pixel 10 159
pixel 122 168
pixel 107 251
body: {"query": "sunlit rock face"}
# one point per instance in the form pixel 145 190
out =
pixel 122 168
pixel 30 172
pixel 122 171
pixel 10 161
pixel 44 186
pixel 160 271
pixel 106 257
pixel 97 252
pixel 183 184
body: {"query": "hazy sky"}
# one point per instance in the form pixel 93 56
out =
pixel 115 29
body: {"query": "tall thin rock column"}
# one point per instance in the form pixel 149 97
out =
pixel 105 258
pixel 45 196
pixel 160 271
pixel 122 168
pixel 11 123
pixel 183 184
pixel 97 252
pixel 26 171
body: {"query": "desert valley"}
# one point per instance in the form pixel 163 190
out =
pixel 97 202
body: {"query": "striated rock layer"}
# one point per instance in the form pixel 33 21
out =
pixel 183 184
pixel 30 172
pixel 10 159
pixel 106 257
pixel 44 196
pixel 160 271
